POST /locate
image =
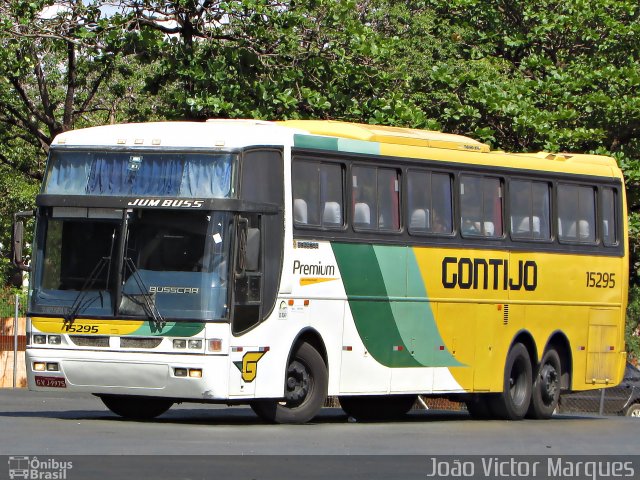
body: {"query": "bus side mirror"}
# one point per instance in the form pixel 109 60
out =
pixel 252 263
pixel 248 248
pixel 18 239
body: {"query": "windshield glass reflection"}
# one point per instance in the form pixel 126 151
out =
pixel 170 264
pixel 180 260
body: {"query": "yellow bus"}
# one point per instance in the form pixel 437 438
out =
pixel 275 263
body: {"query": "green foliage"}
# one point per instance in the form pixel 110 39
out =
pixel 632 331
pixel 20 195
pixel 521 75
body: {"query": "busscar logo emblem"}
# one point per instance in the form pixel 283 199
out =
pixel 249 365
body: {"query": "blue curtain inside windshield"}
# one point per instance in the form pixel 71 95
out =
pixel 143 174
pixel 201 179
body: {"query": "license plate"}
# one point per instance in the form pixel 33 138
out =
pixel 53 382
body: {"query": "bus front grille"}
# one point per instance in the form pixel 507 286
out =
pixel 89 340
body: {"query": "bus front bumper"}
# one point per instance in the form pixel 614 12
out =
pixel 197 377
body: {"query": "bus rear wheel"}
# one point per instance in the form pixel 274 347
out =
pixel 377 407
pixel 136 408
pixel 513 402
pixel 546 387
pixel 305 390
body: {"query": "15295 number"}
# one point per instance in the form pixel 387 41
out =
pixel 601 280
pixel 70 327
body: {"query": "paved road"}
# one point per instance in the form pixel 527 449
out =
pixel 50 425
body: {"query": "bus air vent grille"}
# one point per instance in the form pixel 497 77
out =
pixel 127 342
pixel 89 340
pixel 505 314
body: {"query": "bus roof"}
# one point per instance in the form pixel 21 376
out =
pixel 385 134
pixel 332 135
pixel 427 144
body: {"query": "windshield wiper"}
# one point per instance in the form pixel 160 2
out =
pixel 80 302
pixel 149 304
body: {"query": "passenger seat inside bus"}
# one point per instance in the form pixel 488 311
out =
pixel 361 215
pixel 523 225
pixel 332 215
pixel 489 229
pixel 583 230
pixel 419 219
pixel 300 211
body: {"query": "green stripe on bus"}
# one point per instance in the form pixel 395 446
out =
pixel 336 144
pixel 170 329
pixel 311 141
pixel 395 333
pixel 358 146
pixel 374 319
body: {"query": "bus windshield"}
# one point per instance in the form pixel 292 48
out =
pixel 174 263
pixel 72 172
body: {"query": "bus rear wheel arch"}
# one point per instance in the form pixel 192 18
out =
pixel 306 384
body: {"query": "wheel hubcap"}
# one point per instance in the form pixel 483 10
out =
pixel 548 383
pixel 298 383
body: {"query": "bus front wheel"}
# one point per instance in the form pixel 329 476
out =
pixel 136 408
pixel 513 402
pixel 305 390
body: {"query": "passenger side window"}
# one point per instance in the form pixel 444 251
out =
pixel 576 213
pixel 318 194
pixel 429 203
pixel 480 206
pixel 376 198
pixel 530 210
pixel 608 199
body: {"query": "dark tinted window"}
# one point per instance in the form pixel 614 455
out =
pixel 318 194
pixel 429 203
pixel 480 206
pixel 376 198
pixel 609 224
pixel 576 213
pixel 530 210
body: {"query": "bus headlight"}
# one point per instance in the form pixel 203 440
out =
pixel 179 343
pixel 52 367
pixel 195 344
pixel 39 339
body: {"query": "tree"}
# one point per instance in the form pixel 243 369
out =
pixel 523 76
pixel 63 64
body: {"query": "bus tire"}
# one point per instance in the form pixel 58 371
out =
pixel 633 410
pixel 513 402
pixel 136 408
pixel 478 406
pixel 377 407
pixel 546 386
pixel 305 390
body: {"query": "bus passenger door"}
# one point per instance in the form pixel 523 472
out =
pixel 247 303
pixel 247 289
